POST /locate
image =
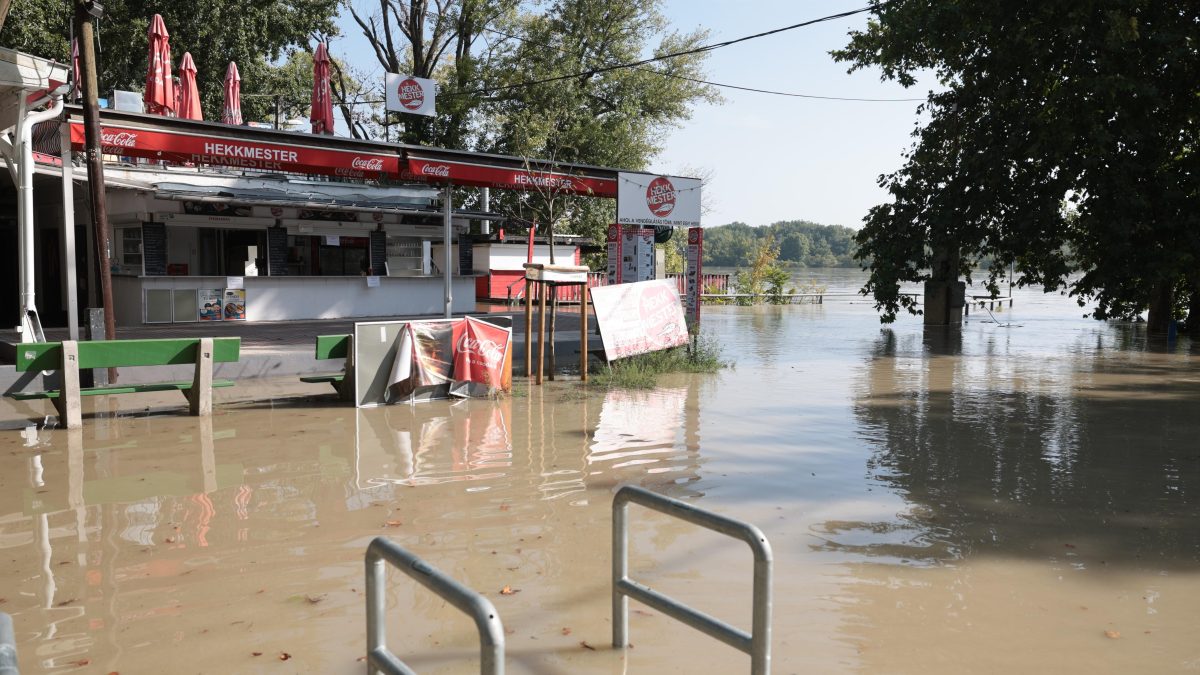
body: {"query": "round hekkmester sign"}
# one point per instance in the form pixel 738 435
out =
pixel 660 197
pixel 411 94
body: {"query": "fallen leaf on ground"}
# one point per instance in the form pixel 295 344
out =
pixel 566 631
pixel 81 662
pixel 509 590
pixel 505 507
pixel 169 540
pixel 64 603
pixel 585 645
pixel 361 659
pixel 1112 634
pixel 284 656
pixel 394 523
pixel 255 653
pixel 643 612
pixel 1069 545
pixel 314 599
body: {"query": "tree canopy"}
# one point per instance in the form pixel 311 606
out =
pixel 797 242
pixel 254 34
pixel 1064 141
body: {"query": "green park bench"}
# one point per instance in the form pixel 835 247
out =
pixel 69 357
pixel 336 347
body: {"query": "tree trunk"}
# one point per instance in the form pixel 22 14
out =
pixel 1193 318
pixel 1162 301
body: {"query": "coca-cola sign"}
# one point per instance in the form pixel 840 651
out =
pixel 491 352
pixel 660 197
pixel 436 170
pixel 367 163
pixel 118 139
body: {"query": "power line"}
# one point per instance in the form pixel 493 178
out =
pixel 715 84
pixel 687 52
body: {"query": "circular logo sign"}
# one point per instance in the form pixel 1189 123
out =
pixel 411 95
pixel 660 197
pixel 693 236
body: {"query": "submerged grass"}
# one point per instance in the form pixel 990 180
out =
pixel 642 371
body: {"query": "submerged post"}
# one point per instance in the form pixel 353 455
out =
pixel 447 236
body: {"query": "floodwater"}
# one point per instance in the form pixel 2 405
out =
pixel 1020 496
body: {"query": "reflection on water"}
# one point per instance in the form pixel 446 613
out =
pixel 993 499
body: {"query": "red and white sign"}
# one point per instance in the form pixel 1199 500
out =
pixel 695 275
pixel 470 355
pixel 482 357
pixel 413 95
pixel 174 146
pixel 465 173
pixel 639 318
pixel 614 255
pixel 646 200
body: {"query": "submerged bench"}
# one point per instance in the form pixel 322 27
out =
pixel 336 347
pixel 69 356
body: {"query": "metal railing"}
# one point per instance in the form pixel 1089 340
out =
pixel 479 608
pixel 756 643
pixel 8 646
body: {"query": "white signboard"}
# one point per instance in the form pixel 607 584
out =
pixel 412 95
pixel 638 318
pixel 646 200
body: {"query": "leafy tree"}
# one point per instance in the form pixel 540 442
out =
pixel 1048 109
pixel 254 34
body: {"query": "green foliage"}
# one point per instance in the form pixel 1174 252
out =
pixel 1064 140
pixel 800 244
pixel 763 278
pixel 642 371
pixel 254 34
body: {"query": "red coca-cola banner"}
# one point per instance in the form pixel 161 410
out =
pixel 482 357
pixel 463 173
pixel 186 147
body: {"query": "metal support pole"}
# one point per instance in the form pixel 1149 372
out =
pixel 485 205
pixel 31 325
pixel 68 224
pixel 446 239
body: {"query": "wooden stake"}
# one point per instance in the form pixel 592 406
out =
pixel 541 331
pixel 583 333
pixel 529 289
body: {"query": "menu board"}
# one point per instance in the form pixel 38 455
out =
pixel 277 252
pixel 154 249
pixel 466 254
pixel 379 255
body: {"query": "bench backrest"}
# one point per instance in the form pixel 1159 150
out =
pixel 332 347
pixel 124 353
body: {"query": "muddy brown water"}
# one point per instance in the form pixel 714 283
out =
pixel 1019 496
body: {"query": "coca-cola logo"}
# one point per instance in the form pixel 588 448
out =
pixel 660 197
pixel 411 94
pixel 491 352
pixel 118 139
pixel 614 232
pixel 693 236
pixel 367 163
pixel 439 170
pixel 276 211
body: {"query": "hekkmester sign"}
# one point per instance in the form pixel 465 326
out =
pixel 646 200
pixel 412 95
pixel 463 173
pixel 199 149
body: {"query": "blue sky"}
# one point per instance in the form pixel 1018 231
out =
pixel 776 158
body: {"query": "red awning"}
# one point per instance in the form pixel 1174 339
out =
pixel 432 170
pixel 177 146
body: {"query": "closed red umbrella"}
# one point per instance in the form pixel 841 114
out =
pixel 189 96
pixel 322 101
pixel 160 88
pixel 76 73
pixel 232 113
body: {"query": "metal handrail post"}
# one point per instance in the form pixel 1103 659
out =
pixel 8 646
pixel 479 608
pixel 757 643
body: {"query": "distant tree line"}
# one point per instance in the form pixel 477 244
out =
pixel 800 244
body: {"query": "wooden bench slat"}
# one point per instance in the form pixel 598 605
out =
pixel 116 389
pixel 332 347
pixel 125 353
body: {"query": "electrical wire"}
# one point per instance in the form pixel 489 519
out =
pixel 633 64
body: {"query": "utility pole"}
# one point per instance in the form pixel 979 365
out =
pixel 85 12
